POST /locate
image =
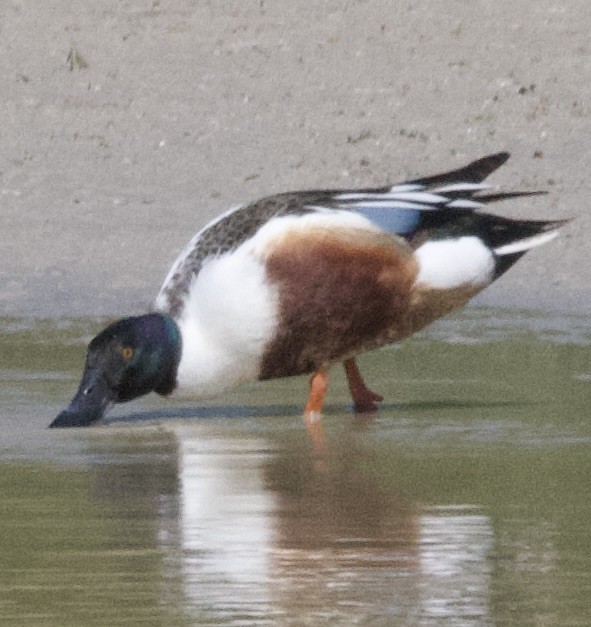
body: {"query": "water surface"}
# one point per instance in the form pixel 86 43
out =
pixel 465 500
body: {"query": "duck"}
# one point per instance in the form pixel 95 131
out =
pixel 298 282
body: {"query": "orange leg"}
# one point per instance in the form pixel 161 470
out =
pixel 364 400
pixel 318 387
pixel 313 410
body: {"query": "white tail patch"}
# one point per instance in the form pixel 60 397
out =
pixel 452 263
pixel 525 244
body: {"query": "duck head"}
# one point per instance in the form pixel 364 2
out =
pixel 130 358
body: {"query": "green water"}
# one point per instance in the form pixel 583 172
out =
pixel 464 501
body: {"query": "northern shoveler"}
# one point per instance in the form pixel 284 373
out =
pixel 296 282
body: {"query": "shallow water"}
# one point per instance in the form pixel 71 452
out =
pixel 464 501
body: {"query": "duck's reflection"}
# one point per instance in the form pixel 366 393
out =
pixel 351 546
pixel 226 524
pixel 256 533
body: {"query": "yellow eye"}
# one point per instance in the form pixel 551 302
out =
pixel 127 352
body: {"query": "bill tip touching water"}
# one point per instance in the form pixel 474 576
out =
pixel 297 282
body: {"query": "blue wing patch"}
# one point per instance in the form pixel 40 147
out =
pixel 403 222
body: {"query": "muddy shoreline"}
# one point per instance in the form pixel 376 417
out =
pixel 128 125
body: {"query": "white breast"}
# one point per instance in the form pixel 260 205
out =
pixel 230 315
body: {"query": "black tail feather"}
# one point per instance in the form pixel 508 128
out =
pixel 486 198
pixel 498 231
pixel 474 172
pixel 502 264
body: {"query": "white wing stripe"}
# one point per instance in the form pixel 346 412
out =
pixel 464 203
pixel 406 187
pixel 388 204
pixel 462 187
pixel 421 197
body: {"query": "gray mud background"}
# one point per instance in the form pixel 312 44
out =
pixel 126 125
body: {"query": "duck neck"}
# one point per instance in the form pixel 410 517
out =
pixel 169 338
